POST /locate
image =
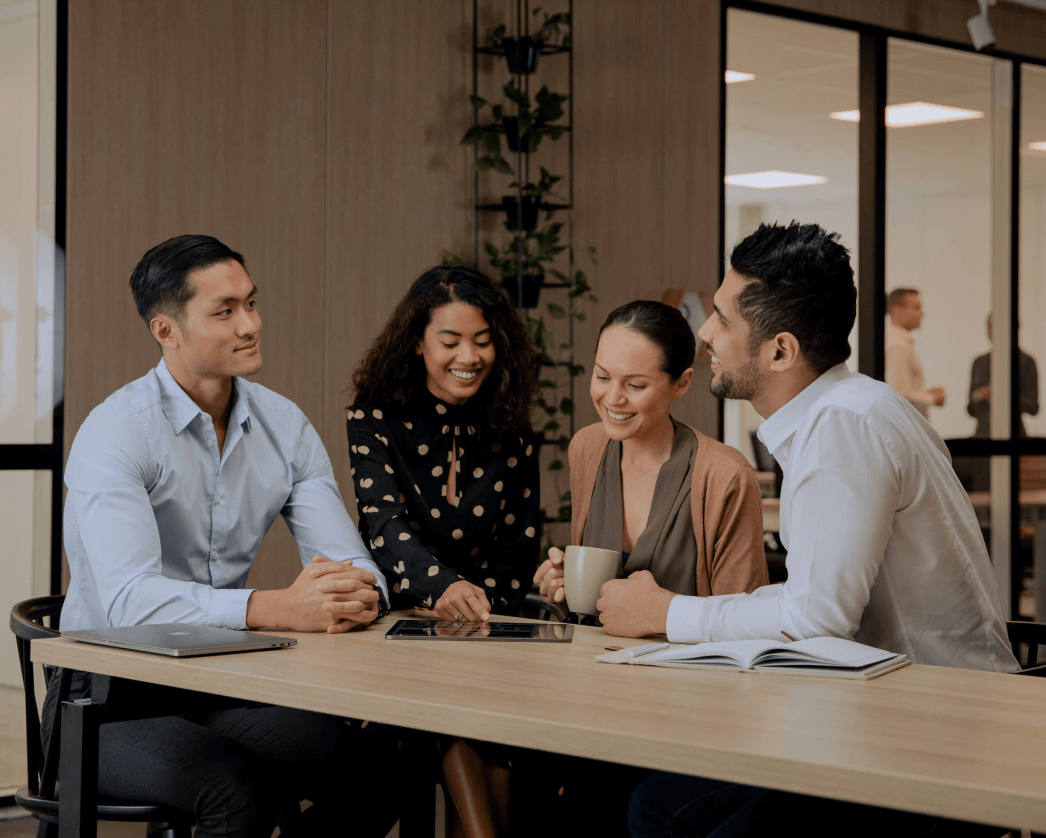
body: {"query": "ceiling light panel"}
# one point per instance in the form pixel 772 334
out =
pixel 774 180
pixel 733 76
pixel 1041 146
pixel 915 113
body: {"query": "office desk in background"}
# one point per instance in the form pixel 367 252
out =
pixel 926 739
pixel 1033 511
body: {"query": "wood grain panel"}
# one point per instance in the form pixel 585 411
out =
pixel 400 186
pixel 1018 29
pixel 198 116
pixel 618 159
pixel 691 99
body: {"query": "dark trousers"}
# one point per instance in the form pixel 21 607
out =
pixel 674 805
pixel 233 768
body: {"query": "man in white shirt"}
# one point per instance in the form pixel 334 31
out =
pixel 904 370
pixel 883 544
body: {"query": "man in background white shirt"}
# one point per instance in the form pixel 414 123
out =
pixel 904 370
pixel 883 544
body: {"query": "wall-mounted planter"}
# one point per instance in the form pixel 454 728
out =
pixel 529 209
pixel 511 126
pixel 521 54
pixel 531 289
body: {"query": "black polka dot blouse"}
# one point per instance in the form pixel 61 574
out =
pixel 424 541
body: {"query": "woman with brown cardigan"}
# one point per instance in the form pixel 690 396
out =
pixel 674 501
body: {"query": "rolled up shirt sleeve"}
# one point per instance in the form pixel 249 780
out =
pixel 840 508
pixel 109 473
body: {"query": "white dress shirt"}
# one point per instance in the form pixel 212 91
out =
pixel 883 544
pixel 904 370
pixel 161 529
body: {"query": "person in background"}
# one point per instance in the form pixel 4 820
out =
pixel 174 480
pixel 904 370
pixel 673 501
pixel 883 544
pixel 980 389
pixel 445 467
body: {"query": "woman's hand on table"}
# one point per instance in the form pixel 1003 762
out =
pixel 463 601
pixel 549 576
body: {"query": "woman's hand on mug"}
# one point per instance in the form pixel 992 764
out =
pixel 549 576
pixel 463 601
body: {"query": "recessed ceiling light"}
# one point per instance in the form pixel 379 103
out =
pixel 915 113
pixel 773 180
pixel 734 76
pixel 1037 146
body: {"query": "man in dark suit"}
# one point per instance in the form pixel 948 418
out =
pixel 979 406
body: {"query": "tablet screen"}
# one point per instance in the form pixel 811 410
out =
pixel 444 630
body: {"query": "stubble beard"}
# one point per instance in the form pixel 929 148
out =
pixel 741 385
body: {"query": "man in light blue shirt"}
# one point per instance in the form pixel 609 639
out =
pixel 173 483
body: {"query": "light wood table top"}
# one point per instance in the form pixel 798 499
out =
pixel 927 739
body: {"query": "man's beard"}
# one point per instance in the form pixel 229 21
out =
pixel 741 385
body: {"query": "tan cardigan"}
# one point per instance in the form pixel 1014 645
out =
pixel 724 501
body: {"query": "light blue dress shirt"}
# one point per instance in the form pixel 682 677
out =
pixel 160 529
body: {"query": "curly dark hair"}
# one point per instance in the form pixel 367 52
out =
pixel 390 369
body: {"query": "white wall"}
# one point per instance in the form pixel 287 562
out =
pixel 26 298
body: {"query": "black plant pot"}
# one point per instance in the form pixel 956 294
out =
pixel 531 289
pixel 531 206
pixel 511 124
pixel 521 54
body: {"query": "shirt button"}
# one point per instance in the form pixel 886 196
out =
pixel 218 499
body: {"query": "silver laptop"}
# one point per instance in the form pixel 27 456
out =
pixel 180 640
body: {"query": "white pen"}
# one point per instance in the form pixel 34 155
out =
pixel 635 651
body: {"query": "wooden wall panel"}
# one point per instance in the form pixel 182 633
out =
pixel 400 186
pixel 201 116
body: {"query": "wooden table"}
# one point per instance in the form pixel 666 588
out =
pixel 926 739
pixel 1032 509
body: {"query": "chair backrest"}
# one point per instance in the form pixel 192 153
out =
pixel 1026 638
pixel 29 622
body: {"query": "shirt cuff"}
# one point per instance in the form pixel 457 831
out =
pixel 229 607
pixel 683 620
pixel 369 564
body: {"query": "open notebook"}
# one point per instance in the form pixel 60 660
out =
pixel 831 657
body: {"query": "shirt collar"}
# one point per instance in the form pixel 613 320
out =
pixel 780 427
pixel 180 410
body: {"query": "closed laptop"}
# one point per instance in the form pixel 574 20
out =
pixel 180 640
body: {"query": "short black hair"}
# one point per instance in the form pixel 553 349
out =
pixel 664 326
pixel 799 280
pixel 160 280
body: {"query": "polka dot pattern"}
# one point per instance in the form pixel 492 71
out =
pixel 429 537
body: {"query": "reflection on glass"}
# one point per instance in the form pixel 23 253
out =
pixel 786 157
pixel 26 223
pixel 938 227
pixel 1033 239
pixel 979 404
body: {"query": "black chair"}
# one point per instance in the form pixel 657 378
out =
pixel 537 607
pixel 39 797
pixel 1026 638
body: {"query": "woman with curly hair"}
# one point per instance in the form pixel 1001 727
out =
pixel 445 465
pixel 445 468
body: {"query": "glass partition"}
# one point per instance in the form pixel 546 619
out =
pixel 786 158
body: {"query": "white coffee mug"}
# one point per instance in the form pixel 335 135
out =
pixel 585 569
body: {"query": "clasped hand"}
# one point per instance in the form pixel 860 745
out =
pixel 327 596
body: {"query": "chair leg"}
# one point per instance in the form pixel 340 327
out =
pixel 168 831
pixel 46 830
